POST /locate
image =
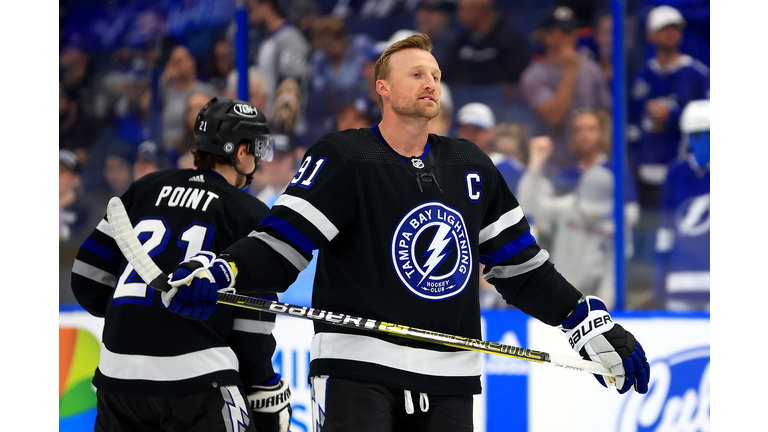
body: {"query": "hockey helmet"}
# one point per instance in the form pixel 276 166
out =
pixel 223 123
pixel 694 125
pixel 695 117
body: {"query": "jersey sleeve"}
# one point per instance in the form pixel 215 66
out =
pixel 96 266
pixel 318 203
pixel 517 266
pixel 252 341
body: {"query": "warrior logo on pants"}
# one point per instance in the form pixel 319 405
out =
pixel 431 251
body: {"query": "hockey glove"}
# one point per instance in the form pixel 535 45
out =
pixel 270 405
pixel 196 284
pixel 593 335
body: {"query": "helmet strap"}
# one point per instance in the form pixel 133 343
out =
pixel 248 177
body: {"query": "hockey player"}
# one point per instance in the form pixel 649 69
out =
pixel 402 219
pixel 682 240
pixel 159 370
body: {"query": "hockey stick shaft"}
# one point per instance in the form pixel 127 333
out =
pixel 132 249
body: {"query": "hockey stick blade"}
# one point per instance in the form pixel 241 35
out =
pixel 122 231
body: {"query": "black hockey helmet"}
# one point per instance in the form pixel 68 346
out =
pixel 223 123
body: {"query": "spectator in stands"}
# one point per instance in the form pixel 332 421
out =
pixel 179 80
pixel 150 157
pixel 562 83
pixel 77 71
pixel 259 87
pixel 338 57
pixel 303 14
pixel 435 18
pixel 274 176
pixel 78 132
pixel 117 169
pixel 477 123
pixel 682 280
pixel 486 51
pixel 584 228
pixel 441 125
pixel 284 52
pixel 185 143
pixel 696 33
pixel 658 93
pixel 511 140
pixel 590 142
pixel 221 62
pixel 349 116
pixel 73 209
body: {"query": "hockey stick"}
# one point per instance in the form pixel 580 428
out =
pixel 122 232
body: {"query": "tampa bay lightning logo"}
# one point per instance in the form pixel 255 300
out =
pixel 431 251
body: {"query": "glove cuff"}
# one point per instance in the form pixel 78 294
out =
pixel 270 400
pixel 589 319
pixel 222 273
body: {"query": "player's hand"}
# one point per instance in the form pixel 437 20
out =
pixel 593 334
pixel 196 283
pixel 270 405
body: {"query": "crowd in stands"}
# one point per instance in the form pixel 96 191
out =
pixel 529 82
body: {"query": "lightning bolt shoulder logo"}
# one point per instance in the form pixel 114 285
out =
pixel 431 252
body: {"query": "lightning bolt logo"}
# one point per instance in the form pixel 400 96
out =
pixel 234 405
pixel 439 242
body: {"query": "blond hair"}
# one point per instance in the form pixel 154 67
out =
pixel 419 40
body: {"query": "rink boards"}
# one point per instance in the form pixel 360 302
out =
pixel 517 395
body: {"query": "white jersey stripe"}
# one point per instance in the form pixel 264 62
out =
pixel 104 227
pixel 283 249
pixel 415 360
pixel 680 282
pixel 310 213
pixel 252 326
pixel 518 269
pixel 172 368
pixel 505 221
pixel 93 273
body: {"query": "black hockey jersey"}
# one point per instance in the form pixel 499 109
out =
pixel 400 240
pixel 147 349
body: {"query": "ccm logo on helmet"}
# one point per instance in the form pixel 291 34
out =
pixel 246 110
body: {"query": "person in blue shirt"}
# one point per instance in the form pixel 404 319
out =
pixel 681 280
pixel 658 93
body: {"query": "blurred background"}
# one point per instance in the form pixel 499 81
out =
pixel 574 124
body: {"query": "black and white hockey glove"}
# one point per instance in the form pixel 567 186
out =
pixel 270 405
pixel 196 284
pixel 593 335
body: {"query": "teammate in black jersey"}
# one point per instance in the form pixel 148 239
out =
pixel 402 219
pixel 159 370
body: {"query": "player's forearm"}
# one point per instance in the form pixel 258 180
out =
pixel 542 293
pixel 260 269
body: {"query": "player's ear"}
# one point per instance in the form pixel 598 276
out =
pixel 241 152
pixel 382 88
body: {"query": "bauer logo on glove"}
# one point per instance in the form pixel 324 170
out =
pixel 594 336
pixel 600 320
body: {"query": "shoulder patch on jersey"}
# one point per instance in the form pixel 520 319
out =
pixel 431 253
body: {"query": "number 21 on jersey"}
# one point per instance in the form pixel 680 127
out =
pixel 154 235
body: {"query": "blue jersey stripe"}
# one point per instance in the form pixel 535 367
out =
pixel 509 250
pixel 101 251
pixel 291 233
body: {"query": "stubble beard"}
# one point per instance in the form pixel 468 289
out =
pixel 415 111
